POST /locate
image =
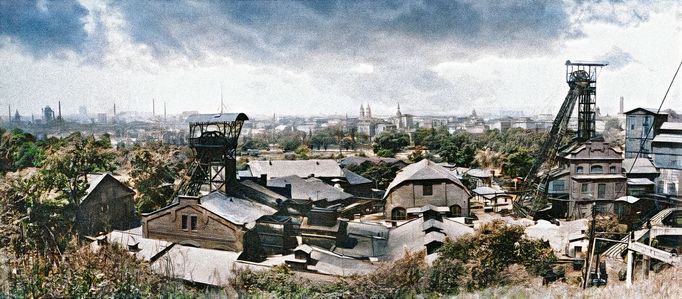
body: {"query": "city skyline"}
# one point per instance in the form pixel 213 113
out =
pixel 322 58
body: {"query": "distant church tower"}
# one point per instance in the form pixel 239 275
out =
pixel 399 118
pixel 368 112
pixel 362 111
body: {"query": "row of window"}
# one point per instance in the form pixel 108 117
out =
pixel 672 188
pixel 189 222
pixel 399 213
pixel 601 189
pixel 598 169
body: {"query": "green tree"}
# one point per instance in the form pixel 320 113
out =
pixel 390 143
pixel 153 177
pixel 518 164
pixel 67 166
pixel 28 155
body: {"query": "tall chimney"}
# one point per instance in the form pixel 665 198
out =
pixel 622 105
pixel 114 109
pixel 153 107
pixel 60 110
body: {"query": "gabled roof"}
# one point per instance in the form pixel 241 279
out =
pixel 94 180
pixel 421 171
pixel 414 234
pixel 354 178
pixel 642 165
pixel 309 189
pixel 300 168
pixel 648 110
pixel 236 210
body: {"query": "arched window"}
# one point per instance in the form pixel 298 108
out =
pixel 612 169
pixel 596 169
pixel 456 210
pixel 579 170
pixel 398 214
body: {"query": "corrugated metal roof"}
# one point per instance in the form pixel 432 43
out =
pixel 236 210
pixel 216 118
pixel 675 126
pixel 668 138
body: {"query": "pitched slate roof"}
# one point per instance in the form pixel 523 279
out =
pixel 94 180
pixel 300 168
pixel 649 110
pixel 236 210
pixel 354 178
pixel 422 170
pixel 251 190
pixel 355 160
pixel 309 189
pixel 415 234
pixel 668 138
pixel 642 165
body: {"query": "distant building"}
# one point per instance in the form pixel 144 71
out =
pixel 667 153
pixel 426 183
pixel 638 122
pixel 48 115
pixel 102 118
pixel 592 173
pixel 108 204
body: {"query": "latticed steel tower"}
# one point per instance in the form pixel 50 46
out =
pixel 585 73
pixel 213 138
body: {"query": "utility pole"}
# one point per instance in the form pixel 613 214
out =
pixel 628 277
pixel 590 248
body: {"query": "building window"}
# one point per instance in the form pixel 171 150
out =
pixel 672 188
pixel 612 169
pixel 659 187
pixel 579 170
pixel 184 222
pixel 193 223
pixel 428 189
pixel 398 214
pixel 601 190
pixel 596 169
pixel 456 211
pixel 584 188
pixel 559 186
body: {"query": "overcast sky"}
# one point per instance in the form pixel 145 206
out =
pixel 308 57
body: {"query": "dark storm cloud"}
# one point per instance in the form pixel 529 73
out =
pixel 44 27
pixel 283 31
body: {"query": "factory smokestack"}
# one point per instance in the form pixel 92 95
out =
pixel 622 106
pixel 153 107
pixel 59 103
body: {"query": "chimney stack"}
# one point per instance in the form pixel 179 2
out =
pixel 153 107
pixel 60 110
pixel 622 105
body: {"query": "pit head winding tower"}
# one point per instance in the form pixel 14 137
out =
pixel 213 138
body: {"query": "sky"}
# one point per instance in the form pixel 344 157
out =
pixel 329 57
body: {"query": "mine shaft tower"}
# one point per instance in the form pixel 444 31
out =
pixel 213 138
pixel 585 73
